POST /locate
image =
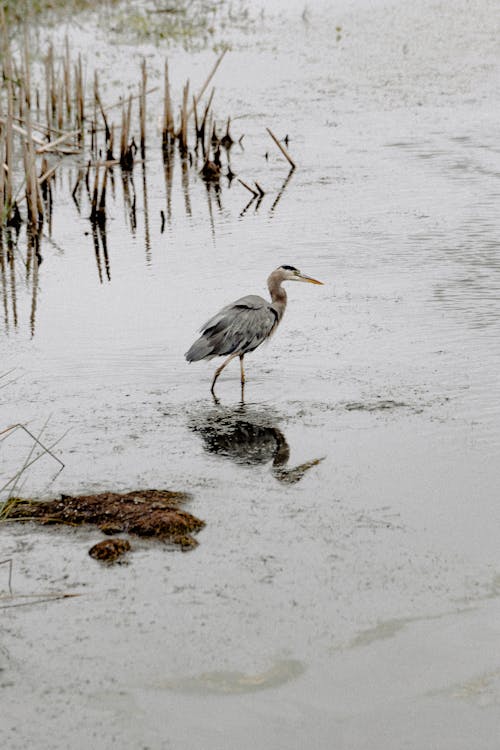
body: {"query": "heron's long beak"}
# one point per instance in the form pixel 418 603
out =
pixel 308 279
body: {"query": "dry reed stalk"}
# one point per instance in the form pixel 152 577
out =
pixel 126 147
pixel 107 129
pixel 60 106
pixel 53 144
pixel 26 71
pixel 215 138
pixel 168 118
pixel 251 190
pixel 123 134
pixel 282 149
pixel 209 78
pixel 9 124
pixel 30 193
pixel 50 93
pixel 47 173
pixel 29 156
pixel 208 135
pixel 226 139
pixel 184 120
pixel 195 114
pixel 2 182
pixel 80 102
pixel 136 96
pixel 22 131
pixel 67 78
pixel 201 132
pixel 36 188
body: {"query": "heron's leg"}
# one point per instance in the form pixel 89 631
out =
pixel 242 371
pixel 219 369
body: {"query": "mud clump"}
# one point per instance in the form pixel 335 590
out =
pixel 153 514
pixel 109 550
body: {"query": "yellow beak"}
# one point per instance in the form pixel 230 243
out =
pixel 309 279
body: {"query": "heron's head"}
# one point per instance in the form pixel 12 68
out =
pixel 290 273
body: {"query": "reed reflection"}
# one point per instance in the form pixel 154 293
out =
pixel 147 234
pixel 12 265
pixel 248 436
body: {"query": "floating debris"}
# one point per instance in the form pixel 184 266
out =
pixel 109 550
pixel 282 148
pixel 153 514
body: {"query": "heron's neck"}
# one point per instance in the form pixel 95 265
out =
pixel 278 294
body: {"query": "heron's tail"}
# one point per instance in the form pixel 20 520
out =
pixel 201 349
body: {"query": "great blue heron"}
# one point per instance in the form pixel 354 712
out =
pixel 243 325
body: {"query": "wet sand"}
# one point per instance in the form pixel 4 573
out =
pixel 356 606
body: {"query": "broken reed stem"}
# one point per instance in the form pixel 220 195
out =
pixel 195 114
pixel 136 96
pixel 60 106
pixel 53 144
pixel 67 78
pixel 50 93
pixel 209 78
pixel 107 130
pixel 22 131
pixel 29 156
pixel 80 102
pixel 26 78
pixel 200 134
pixel 47 174
pixel 30 200
pixel 168 119
pixel 126 151
pixel 64 102
pixel 184 119
pixel 8 139
pixel 282 149
pixel 251 190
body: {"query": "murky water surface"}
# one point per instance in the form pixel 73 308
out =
pixel 331 599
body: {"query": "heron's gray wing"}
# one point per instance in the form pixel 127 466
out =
pixel 250 301
pixel 238 327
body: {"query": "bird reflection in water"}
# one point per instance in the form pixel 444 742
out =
pixel 248 437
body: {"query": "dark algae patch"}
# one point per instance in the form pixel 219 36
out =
pixel 153 514
pixel 109 550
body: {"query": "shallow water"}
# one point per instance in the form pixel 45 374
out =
pixel 353 602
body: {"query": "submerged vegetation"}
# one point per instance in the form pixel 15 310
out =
pixel 192 23
pixel 152 514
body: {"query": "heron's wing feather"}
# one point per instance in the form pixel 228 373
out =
pixel 238 327
pixel 251 301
